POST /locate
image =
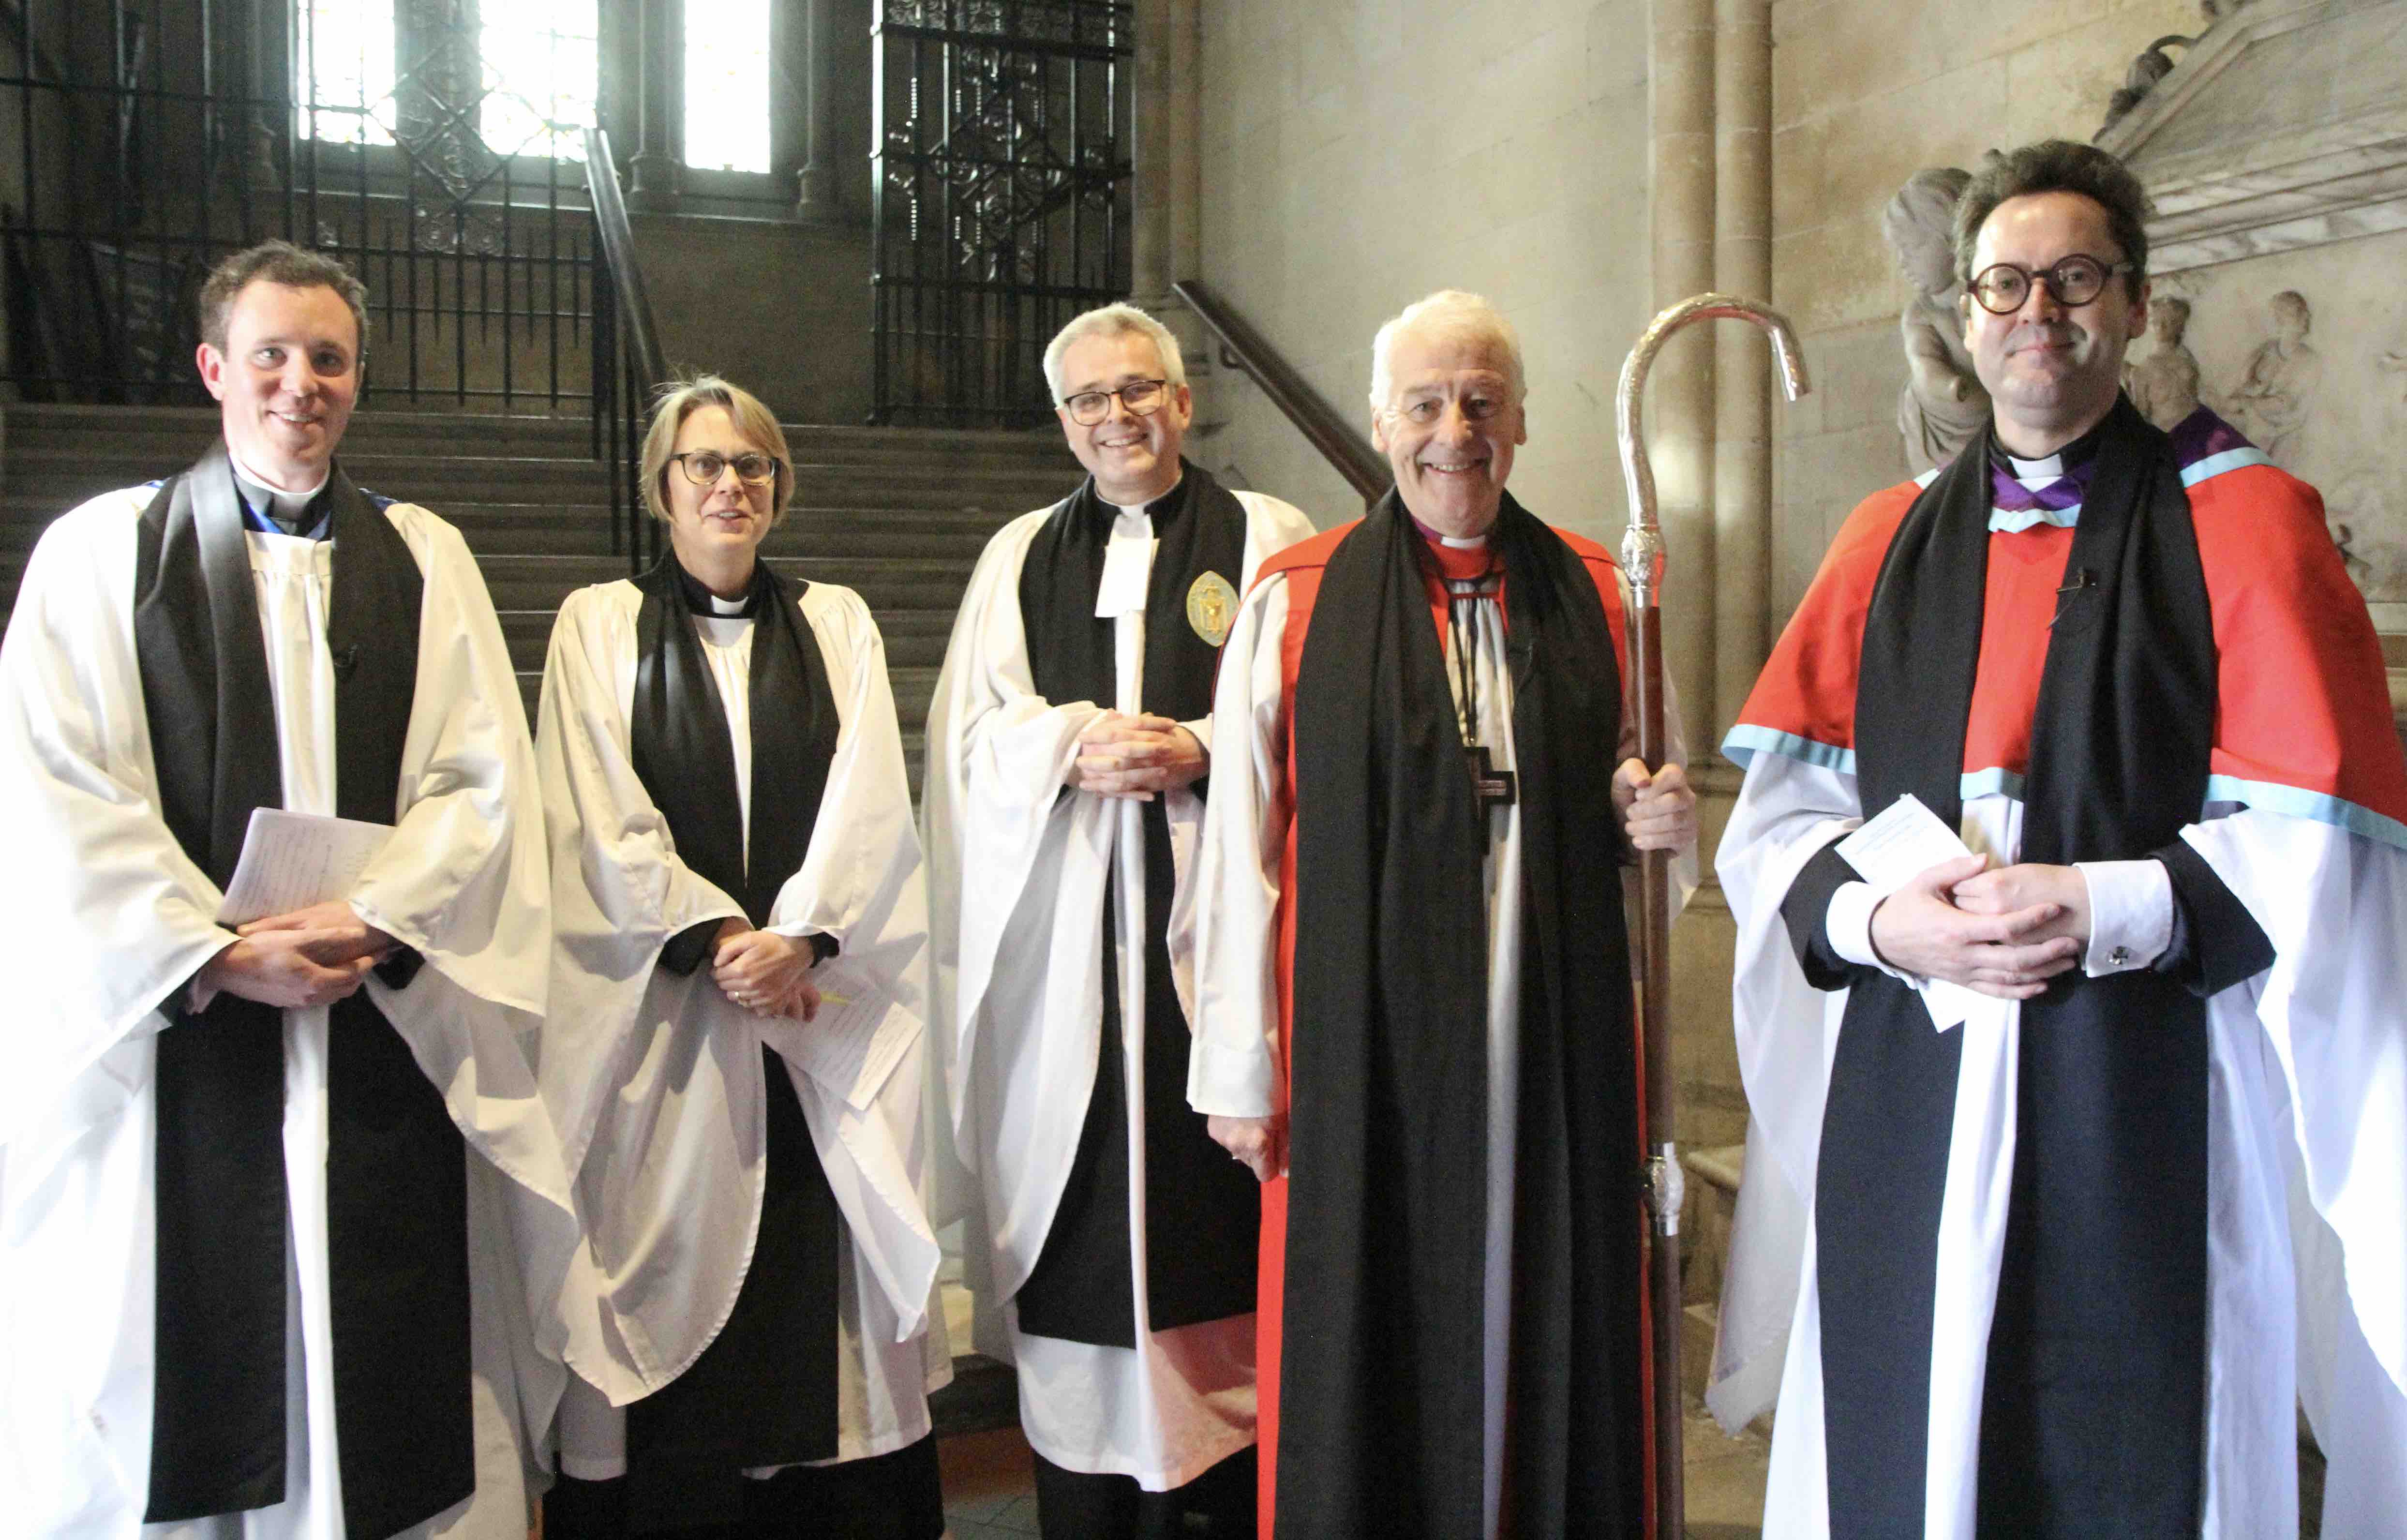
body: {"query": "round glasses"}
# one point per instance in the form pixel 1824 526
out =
pixel 2075 282
pixel 702 467
pixel 1142 397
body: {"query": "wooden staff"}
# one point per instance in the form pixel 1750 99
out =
pixel 1642 561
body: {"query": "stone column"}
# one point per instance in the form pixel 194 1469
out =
pixel 1742 360
pixel 1680 390
pixel 1151 256
pixel 653 170
pixel 1186 136
pixel 818 193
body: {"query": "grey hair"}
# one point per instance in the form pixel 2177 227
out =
pixel 1453 313
pixel 1120 318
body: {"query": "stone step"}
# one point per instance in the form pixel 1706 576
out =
pixel 541 582
pixel 64 478
pixel 179 434
pixel 584 528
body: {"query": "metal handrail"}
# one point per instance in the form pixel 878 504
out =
pixel 644 364
pixel 1243 348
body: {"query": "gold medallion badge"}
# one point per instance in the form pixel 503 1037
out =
pixel 1211 608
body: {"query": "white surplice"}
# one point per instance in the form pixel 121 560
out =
pixel 2306 1173
pixel 655 1078
pixel 1016 875
pixel 1234 1069
pixel 107 920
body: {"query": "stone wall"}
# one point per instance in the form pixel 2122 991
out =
pixel 1864 94
pixel 1360 153
pixel 781 308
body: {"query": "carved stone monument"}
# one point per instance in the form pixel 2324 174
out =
pixel 2164 385
pixel 1942 406
pixel 2276 153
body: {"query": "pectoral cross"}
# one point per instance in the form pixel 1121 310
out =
pixel 1494 787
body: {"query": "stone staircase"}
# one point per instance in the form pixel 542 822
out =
pixel 897 514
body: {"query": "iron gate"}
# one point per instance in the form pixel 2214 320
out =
pixel 154 138
pixel 1000 202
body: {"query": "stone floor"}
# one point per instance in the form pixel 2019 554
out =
pixel 989 1494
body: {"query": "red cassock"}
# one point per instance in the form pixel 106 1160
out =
pixel 1302 565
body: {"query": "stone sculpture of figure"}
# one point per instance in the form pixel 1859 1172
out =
pixel 2164 384
pixel 2271 404
pixel 1942 404
pixel 2152 64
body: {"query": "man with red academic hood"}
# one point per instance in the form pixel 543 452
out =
pixel 2066 1264
pixel 1414 1017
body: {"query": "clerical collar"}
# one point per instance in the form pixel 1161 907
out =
pixel 2066 460
pixel 1161 508
pixel 1452 542
pixel 2046 491
pixel 700 601
pixel 279 511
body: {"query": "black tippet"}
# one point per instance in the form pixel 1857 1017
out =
pixel 765 1392
pixel 397 1171
pixel 2102 1295
pixel 1381 1388
pixel 1201 1269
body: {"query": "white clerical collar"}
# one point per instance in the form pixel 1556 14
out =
pixel 275 501
pixel 1462 542
pixel 728 607
pixel 2044 469
pixel 1139 508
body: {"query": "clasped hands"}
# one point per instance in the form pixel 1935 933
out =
pixel 765 973
pixel 2002 933
pixel 1135 756
pixel 308 957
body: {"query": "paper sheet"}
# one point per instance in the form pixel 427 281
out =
pixel 859 1034
pixel 1905 841
pixel 290 860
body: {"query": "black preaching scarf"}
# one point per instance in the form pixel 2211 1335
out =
pixel 1200 1260
pixel 396 1173
pixel 765 1392
pixel 1380 1399
pixel 2094 1402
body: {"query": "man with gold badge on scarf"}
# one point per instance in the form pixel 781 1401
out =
pixel 1067 747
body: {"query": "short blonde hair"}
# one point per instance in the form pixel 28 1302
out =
pixel 1110 321
pixel 1448 312
pixel 680 399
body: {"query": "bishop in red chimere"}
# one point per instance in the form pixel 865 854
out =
pixel 1414 1013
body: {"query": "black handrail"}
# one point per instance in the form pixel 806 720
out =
pixel 640 366
pixel 1245 349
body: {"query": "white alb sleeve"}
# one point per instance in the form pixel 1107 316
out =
pixel 2131 914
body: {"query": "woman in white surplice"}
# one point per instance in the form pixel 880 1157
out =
pixel 734 1051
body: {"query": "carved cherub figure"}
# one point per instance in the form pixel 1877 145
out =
pixel 2271 404
pixel 1943 405
pixel 2164 384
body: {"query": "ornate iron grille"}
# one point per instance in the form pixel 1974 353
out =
pixel 155 139
pixel 1001 197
